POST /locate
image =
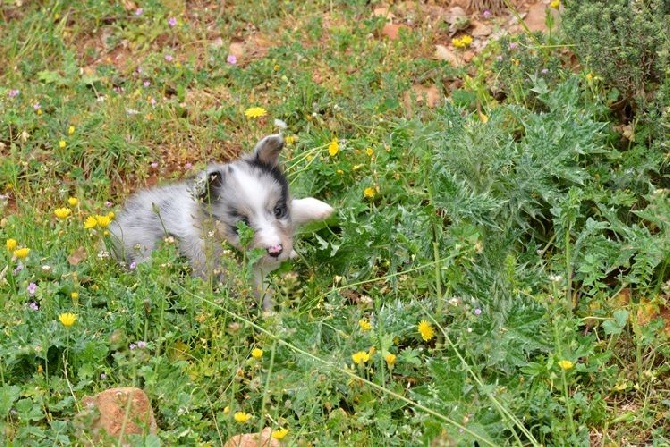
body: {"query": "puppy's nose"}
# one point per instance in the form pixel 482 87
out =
pixel 275 250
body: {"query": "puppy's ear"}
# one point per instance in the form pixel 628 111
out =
pixel 267 150
pixel 208 182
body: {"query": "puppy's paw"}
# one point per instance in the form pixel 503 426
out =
pixel 309 209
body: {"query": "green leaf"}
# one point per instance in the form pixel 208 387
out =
pixel 616 325
pixel 8 395
pixel 51 77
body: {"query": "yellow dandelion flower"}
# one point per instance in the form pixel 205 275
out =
pixel 11 244
pixel 74 296
pixel 21 253
pixel 67 319
pixel 340 172
pixel 566 365
pixel 62 213
pixel 462 42
pixel 426 330
pixel 280 434
pixel 90 222
pixel 364 324
pixel 70 130
pixel 72 201
pixel 369 192
pixel 257 353
pixel 39 112
pixel 390 359
pixel 555 4
pixel 242 417
pixel 103 221
pixel 226 410
pixel 290 139
pixel 111 215
pixel 255 112
pixel 360 357
pixel 369 151
pixel 62 144
pixel 333 147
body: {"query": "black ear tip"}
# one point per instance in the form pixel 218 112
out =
pixel 215 177
pixel 274 141
pixel 267 150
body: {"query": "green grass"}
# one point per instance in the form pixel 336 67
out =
pixel 531 237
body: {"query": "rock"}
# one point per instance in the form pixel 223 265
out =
pixel 393 31
pixel 443 53
pixel 116 412
pixel 262 439
pixel 536 19
pixel 428 95
pixel 383 11
pixel 480 29
pixel 236 49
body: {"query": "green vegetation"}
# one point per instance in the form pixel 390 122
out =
pixel 497 270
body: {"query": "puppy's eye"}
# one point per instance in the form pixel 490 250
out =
pixel 280 211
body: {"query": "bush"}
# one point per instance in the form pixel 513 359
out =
pixel 625 42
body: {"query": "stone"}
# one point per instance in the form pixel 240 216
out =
pixel 393 31
pixel 262 439
pixel 114 413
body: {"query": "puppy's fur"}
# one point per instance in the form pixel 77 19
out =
pixel 203 213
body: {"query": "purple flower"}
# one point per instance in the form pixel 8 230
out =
pixel 232 59
pixel 172 21
pixel 32 287
pixel 147 83
pixel 141 344
pixel 103 376
pixel 139 11
pixel 132 346
pixel 513 45
pixel 140 70
pixel 544 71
pixel 37 106
pixel 12 93
pixel 168 57
pixel 154 165
pixel 478 311
pixel 188 165
pixel 486 14
pixel 108 204
pixel 33 306
pixel 133 265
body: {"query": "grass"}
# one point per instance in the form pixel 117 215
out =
pixel 528 238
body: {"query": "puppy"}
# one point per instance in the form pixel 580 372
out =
pixel 203 213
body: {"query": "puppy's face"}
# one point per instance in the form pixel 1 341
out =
pixel 252 190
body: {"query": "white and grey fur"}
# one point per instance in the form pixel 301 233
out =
pixel 201 214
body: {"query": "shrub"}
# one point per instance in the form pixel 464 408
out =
pixel 625 42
